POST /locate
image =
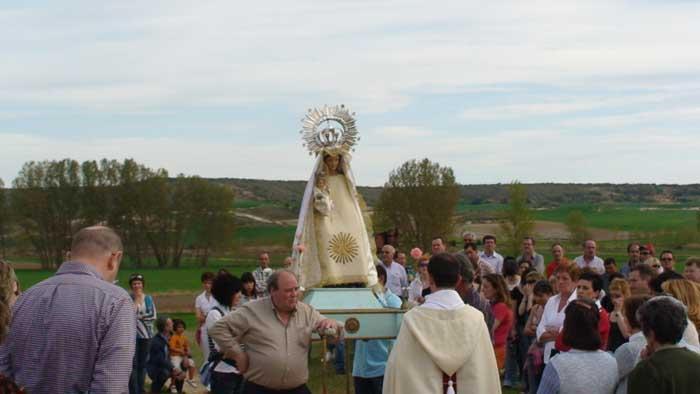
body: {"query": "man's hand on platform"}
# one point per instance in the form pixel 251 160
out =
pixel 325 326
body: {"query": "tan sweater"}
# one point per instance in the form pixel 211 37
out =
pixel 277 353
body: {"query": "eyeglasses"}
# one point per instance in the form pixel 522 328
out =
pixel 666 259
pixel 656 266
pixel 531 282
pixel 136 277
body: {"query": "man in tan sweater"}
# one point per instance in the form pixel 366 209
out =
pixel 276 332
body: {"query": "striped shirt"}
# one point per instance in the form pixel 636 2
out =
pixel 145 316
pixel 71 333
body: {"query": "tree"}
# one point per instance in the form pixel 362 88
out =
pixel 213 219
pixel 577 227
pixel 129 208
pixel 419 200
pixel 47 198
pixel 517 221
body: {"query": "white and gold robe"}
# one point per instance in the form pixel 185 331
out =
pixel 433 341
pixel 334 234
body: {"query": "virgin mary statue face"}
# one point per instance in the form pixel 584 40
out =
pixel 332 162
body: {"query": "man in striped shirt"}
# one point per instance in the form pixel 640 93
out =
pixel 75 332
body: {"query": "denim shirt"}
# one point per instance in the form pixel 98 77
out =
pixel 371 355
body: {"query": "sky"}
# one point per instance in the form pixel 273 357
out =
pixel 538 91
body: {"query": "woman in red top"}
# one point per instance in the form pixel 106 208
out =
pixel 495 290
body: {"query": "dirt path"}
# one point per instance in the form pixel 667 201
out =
pixel 175 302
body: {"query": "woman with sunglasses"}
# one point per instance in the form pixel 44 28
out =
pixel 420 283
pixel 145 316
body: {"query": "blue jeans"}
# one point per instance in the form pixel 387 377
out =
pixel 339 361
pixel 368 385
pixel 511 377
pixel 138 373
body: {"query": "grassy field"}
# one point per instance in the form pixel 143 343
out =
pixel 627 217
pixel 265 235
pixel 157 280
pixel 186 279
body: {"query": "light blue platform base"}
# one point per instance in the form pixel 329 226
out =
pixel 360 304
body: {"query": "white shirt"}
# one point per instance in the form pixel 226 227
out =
pixel 204 303
pixel 596 264
pixel 495 261
pixel 553 318
pixel 415 290
pixel 212 318
pixel 396 278
pixel 446 299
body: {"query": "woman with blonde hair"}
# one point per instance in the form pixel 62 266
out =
pixel 620 331
pixel 688 293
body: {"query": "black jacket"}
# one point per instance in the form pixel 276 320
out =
pixel 158 363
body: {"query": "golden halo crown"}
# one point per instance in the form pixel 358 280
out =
pixel 330 129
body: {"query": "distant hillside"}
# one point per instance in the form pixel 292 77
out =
pixel 289 193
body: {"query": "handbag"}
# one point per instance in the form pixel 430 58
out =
pixel 205 372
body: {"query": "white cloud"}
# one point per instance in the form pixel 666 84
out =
pixel 375 54
pixel 561 105
pixel 160 58
pixel 679 115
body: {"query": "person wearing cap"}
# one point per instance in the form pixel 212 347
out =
pixel 145 316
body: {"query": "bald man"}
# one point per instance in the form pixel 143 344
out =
pixel 76 331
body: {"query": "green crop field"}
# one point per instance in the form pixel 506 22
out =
pixel 621 217
pixel 626 217
pixel 162 280
pixel 265 235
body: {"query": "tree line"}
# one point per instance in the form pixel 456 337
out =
pixel 157 216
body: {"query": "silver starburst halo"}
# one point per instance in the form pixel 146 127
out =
pixel 330 129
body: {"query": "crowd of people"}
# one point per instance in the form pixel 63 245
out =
pixel 574 325
pixel 476 321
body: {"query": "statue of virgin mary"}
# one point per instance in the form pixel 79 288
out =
pixel 331 243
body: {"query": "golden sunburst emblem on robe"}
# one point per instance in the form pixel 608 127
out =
pixel 343 248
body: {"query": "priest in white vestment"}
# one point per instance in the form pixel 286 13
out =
pixel 443 345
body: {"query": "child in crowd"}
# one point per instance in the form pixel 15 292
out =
pixel 248 292
pixel 180 354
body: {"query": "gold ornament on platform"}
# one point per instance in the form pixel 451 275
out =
pixel 343 248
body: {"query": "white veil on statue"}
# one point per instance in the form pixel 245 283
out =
pixel 331 244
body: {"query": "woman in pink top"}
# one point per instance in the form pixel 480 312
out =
pixel 495 290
